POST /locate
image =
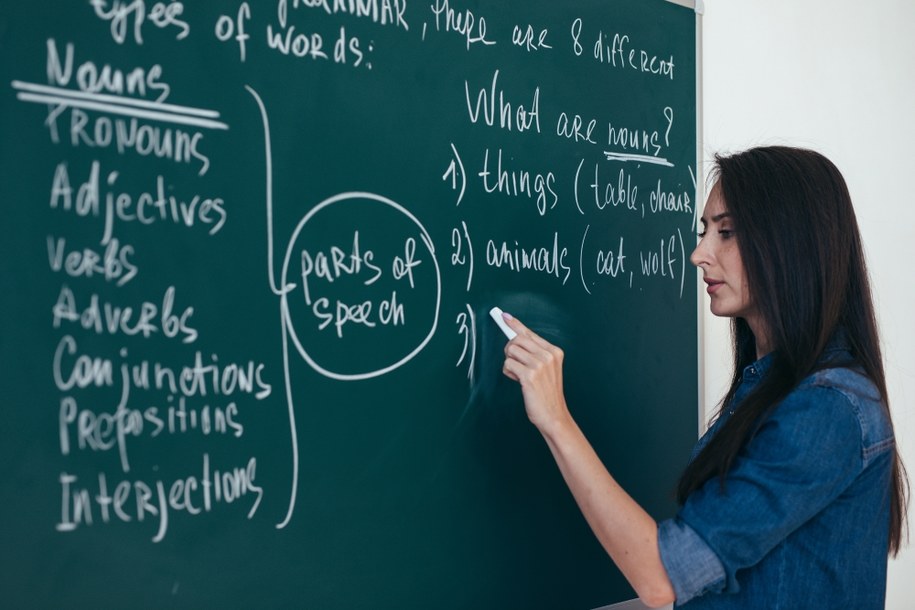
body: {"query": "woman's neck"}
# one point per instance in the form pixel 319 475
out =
pixel 760 336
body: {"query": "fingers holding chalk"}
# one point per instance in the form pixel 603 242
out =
pixel 497 315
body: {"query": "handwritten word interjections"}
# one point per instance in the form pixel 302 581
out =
pixel 129 501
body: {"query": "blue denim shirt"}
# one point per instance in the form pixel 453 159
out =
pixel 803 521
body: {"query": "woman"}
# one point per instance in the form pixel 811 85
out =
pixel 795 496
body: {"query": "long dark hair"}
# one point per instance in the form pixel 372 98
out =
pixel 804 262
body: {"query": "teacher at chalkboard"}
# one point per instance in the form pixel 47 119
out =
pixel 795 496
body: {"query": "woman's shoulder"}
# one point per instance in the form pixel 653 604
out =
pixel 845 396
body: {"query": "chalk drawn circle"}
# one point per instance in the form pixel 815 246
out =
pixel 342 199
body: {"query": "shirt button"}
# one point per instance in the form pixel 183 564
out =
pixel 752 370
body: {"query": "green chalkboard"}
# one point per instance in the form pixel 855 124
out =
pixel 248 251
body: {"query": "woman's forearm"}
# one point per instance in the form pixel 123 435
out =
pixel 624 529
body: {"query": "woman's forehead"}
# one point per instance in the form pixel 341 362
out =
pixel 714 205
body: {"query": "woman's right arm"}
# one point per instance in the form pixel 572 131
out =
pixel 624 529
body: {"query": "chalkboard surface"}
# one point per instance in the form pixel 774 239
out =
pixel 248 249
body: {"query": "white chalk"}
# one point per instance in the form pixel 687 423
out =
pixel 496 314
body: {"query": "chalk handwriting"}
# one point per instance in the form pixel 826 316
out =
pixel 510 116
pixel 465 23
pixel 368 313
pixel 145 208
pixel 381 12
pixel 90 78
pixel 617 51
pixel 115 264
pixel 519 183
pixel 551 260
pixel 338 263
pixel 124 13
pixel 226 29
pixel 527 39
pixel 103 317
pixel 136 500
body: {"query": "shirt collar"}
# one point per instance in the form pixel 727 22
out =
pixel 838 343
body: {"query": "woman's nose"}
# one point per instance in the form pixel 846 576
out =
pixel 700 255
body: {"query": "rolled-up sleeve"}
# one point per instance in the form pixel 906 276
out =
pixel 799 461
pixel 693 568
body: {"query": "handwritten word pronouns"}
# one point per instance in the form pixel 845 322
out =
pixel 617 51
pixel 124 13
pixel 549 260
pixel 131 135
pixel 129 501
pixel 510 116
pixel 145 208
pixel 106 318
pixel 519 182
pixel 463 23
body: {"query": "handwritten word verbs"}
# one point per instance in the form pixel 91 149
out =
pixel 115 264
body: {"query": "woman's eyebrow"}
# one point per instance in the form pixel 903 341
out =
pixel 715 218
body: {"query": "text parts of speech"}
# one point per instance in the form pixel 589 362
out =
pixel 359 287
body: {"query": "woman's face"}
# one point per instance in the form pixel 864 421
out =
pixel 719 258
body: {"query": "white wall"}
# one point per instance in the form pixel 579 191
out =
pixel 837 76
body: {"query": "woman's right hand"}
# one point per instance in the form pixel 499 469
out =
pixel 536 364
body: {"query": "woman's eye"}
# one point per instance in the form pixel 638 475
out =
pixel 726 233
pixel 701 234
